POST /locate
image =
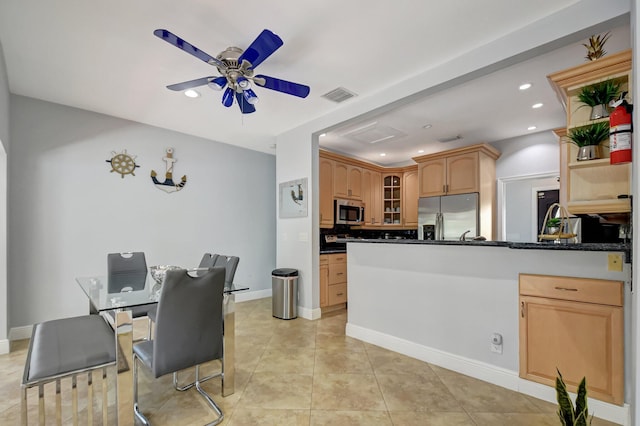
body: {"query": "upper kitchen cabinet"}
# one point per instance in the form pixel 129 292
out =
pixel 325 172
pixel 410 197
pixel 347 181
pixel 458 171
pixel 591 186
pixel 372 196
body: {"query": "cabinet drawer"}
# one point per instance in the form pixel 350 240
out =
pixel 338 273
pixel 589 290
pixel 337 293
pixel 324 259
pixel 337 258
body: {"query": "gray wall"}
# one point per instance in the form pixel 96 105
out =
pixel 4 148
pixel 67 210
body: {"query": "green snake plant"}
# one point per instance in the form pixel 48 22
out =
pixel 570 415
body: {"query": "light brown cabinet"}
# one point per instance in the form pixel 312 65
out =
pixel 577 326
pixel 325 172
pixel 390 205
pixel 324 280
pixel 333 279
pixel 410 198
pixel 347 181
pixel 372 196
pixel 455 174
pixel 593 186
pixel 392 198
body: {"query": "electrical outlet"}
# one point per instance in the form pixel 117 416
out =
pixel 496 343
pixel 615 262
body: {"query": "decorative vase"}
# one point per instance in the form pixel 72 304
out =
pixel 588 152
pixel 552 230
pixel 599 111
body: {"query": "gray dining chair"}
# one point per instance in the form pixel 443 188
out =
pixel 128 272
pixel 189 330
pixel 208 261
pixel 230 263
pixel 65 348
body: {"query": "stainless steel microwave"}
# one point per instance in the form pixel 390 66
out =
pixel 349 212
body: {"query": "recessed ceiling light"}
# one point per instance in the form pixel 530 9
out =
pixel 190 93
pixel 420 151
pixel 383 154
pixel 427 126
pixel 531 128
pixel 322 135
pixel 538 105
pixel 525 86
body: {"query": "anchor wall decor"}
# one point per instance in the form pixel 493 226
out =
pixel 168 185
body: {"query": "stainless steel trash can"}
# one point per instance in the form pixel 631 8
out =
pixel 284 293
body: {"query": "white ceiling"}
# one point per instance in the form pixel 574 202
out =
pixel 103 57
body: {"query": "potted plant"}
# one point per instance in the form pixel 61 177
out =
pixel 598 96
pixel 570 415
pixel 553 225
pixel 588 138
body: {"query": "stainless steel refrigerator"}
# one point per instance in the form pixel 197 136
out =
pixel 448 217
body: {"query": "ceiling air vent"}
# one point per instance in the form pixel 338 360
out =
pixel 450 139
pixel 339 95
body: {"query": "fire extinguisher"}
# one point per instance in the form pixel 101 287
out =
pixel 620 130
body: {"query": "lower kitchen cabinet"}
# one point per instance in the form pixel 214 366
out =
pixel 333 280
pixel 577 326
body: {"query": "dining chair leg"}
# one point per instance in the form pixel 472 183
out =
pixel 209 400
pixel 136 408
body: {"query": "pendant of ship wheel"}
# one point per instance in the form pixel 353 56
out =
pixel 123 163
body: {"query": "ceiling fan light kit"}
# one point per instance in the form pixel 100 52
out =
pixel 237 68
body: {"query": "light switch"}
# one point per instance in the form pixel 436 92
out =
pixel 615 262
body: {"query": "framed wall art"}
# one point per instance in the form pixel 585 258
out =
pixel 293 198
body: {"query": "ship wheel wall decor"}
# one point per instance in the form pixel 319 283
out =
pixel 168 184
pixel 123 163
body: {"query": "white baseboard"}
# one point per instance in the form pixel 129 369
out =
pixel 20 333
pixel 245 296
pixel 4 346
pixel 480 370
pixel 310 314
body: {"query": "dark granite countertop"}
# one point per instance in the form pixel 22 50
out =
pixel 333 251
pixel 622 247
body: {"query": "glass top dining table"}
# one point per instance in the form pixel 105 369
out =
pixel 116 308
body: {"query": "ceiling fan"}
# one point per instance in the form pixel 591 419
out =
pixel 237 70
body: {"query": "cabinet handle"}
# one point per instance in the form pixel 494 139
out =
pixel 522 309
pixel 444 188
pixel 566 289
pixel 339 294
pixel 339 273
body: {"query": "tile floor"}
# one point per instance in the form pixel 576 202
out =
pixel 301 372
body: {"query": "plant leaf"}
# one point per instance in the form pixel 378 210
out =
pixel 581 403
pixel 565 406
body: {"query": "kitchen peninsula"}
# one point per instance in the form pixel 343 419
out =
pixel 442 302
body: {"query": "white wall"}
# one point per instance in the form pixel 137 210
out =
pixel 67 210
pixel 534 154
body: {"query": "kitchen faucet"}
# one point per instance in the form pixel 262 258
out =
pixel 463 237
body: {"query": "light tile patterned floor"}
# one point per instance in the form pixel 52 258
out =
pixel 301 372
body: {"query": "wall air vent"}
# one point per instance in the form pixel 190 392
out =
pixel 450 139
pixel 339 95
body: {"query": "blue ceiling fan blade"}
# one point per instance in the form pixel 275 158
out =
pixel 245 106
pixel 283 86
pixel 262 47
pixel 173 39
pixel 189 84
